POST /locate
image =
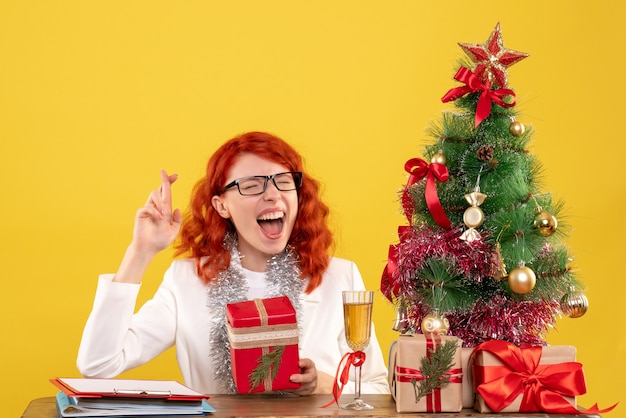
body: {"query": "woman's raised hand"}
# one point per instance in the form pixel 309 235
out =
pixel 156 224
pixel 156 227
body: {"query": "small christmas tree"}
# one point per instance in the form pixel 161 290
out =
pixel 483 255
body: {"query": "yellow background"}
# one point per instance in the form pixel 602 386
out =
pixel 97 96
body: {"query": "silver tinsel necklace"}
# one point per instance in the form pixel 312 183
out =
pixel 230 285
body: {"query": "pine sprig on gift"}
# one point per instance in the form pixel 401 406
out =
pixel 267 366
pixel 434 368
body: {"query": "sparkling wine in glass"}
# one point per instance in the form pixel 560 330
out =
pixel 357 315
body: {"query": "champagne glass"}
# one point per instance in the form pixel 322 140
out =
pixel 357 316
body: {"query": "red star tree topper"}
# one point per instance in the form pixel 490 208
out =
pixel 492 58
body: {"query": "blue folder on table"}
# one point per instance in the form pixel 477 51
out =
pixel 71 407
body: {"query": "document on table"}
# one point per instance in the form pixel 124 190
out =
pixel 80 397
pixel 167 389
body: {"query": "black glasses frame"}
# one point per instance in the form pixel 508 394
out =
pixel 297 180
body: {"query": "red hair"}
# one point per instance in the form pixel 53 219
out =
pixel 203 230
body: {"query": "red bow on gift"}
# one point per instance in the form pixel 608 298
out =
pixel 487 96
pixel 356 358
pixel 543 386
pixel 418 169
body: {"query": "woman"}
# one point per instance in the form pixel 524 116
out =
pixel 256 228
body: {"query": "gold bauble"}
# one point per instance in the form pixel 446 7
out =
pixel 473 217
pixel 546 223
pixel 439 158
pixel 516 128
pixel 521 280
pixel 434 323
pixel 574 304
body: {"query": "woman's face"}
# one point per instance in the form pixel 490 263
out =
pixel 263 222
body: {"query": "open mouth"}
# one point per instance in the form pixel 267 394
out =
pixel 272 223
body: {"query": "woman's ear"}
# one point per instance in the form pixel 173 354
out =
pixel 220 207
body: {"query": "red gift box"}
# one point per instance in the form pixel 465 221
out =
pixel 534 379
pixel 263 336
pixel 404 374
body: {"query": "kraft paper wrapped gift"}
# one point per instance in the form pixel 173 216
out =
pixel 468 387
pixel 405 360
pixel 263 336
pixel 488 372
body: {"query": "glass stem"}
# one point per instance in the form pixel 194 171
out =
pixel 357 382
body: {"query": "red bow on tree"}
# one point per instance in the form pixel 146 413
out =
pixel 418 169
pixel 389 286
pixel 487 96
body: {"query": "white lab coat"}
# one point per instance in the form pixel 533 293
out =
pixel 115 340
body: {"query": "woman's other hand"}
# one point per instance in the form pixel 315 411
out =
pixel 310 380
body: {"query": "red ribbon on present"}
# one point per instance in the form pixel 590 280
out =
pixel 543 386
pixel 433 398
pixel 418 169
pixel 356 358
pixel 473 84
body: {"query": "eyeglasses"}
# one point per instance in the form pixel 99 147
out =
pixel 254 185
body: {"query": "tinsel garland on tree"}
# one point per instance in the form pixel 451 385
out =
pixel 483 247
